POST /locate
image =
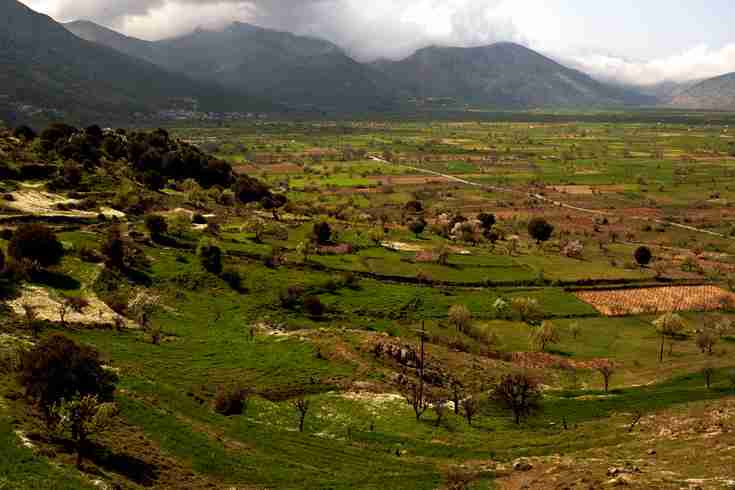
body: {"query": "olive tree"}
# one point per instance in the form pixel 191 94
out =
pixel 460 317
pixel 668 325
pixel 545 335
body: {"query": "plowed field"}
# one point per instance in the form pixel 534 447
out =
pixel 618 302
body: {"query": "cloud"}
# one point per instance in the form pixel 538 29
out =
pixel 367 29
pixel 696 63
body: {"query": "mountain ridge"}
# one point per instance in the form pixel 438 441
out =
pixel 717 93
pixel 43 66
pixel 296 69
pixel 503 74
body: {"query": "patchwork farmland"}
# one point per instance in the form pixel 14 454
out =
pixel 348 304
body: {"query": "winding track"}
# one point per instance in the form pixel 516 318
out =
pixel 553 202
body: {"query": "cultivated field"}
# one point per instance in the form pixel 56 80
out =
pixel 658 299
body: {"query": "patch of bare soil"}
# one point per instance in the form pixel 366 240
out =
pixel 282 168
pixel 409 179
pixel 40 203
pixel 48 308
pixel 43 203
pixel 245 169
pixel 412 247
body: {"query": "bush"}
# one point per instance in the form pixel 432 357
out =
pixel 487 220
pixel 248 189
pixel 540 229
pixel 351 281
pixel 322 232
pixel 417 227
pixel 231 401
pixel 414 207
pixel 314 306
pixel 24 133
pixel 210 256
pixel 520 393
pixel 291 296
pixel 55 134
pixel 89 254
pixel 643 256
pixel 156 224
pixel 2 261
pixel 36 243
pixel 60 369
pixel 233 277
pixel 114 248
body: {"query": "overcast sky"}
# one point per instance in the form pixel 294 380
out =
pixel 637 41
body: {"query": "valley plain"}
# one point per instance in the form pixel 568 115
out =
pixel 356 332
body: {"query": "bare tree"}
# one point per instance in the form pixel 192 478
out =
pixel 457 390
pixel 416 397
pixel 416 394
pixel 63 310
pixel 470 407
pixel 31 317
pixel 518 392
pixel 606 368
pixel 706 340
pixel 302 407
pixel 668 325
pixel 637 416
pixel 439 407
pixel 708 373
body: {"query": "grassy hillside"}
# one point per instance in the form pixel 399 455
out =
pixel 336 325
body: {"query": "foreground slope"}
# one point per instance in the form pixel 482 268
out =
pixel 502 75
pixel 715 93
pixel 45 66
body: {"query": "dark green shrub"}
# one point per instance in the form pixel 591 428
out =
pixel 322 232
pixel 210 256
pixel 156 224
pixel 60 369
pixel 114 248
pixel 90 255
pixel 487 220
pixel 417 227
pixel 314 306
pixel 25 133
pixel 231 401
pixel 540 229
pixel 233 277
pixel 643 256
pixel 291 296
pixel 37 244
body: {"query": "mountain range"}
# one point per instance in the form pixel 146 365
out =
pixel 43 65
pixel 90 70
